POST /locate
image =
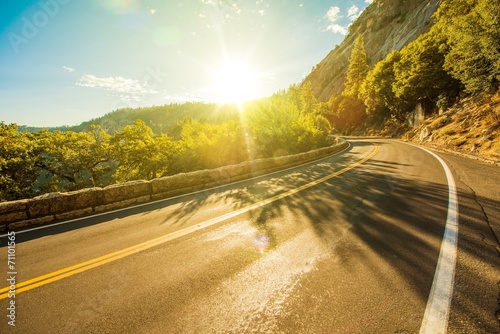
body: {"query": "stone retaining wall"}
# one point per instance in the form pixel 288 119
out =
pixel 52 207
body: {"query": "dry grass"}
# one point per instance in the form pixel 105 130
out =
pixel 439 122
pixel 472 127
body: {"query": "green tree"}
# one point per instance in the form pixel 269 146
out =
pixel 419 75
pixel 140 154
pixel 287 123
pixel 377 93
pixel 471 29
pixel 358 68
pixel 96 159
pixel 19 154
pixel 212 145
pixel 346 113
pixel 73 160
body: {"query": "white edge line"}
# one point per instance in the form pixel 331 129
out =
pixel 437 311
pixel 174 197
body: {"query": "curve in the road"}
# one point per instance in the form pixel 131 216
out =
pixel 84 266
pixel 437 310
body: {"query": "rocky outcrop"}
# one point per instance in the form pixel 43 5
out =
pixel 385 25
pixel 471 127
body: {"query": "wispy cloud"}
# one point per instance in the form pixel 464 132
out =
pixel 353 13
pixel 117 84
pixel 69 69
pixel 337 29
pixel 332 16
pixel 187 97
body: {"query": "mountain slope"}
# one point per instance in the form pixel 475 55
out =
pixel 471 126
pixel 385 25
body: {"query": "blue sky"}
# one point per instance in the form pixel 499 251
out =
pixel 67 61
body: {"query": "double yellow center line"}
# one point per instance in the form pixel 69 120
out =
pixel 98 261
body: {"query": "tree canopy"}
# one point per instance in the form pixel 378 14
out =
pixel 45 161
pixel 472 35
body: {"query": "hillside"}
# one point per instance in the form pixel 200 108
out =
pixel 161 119
pixel 385 25
pixel 470 127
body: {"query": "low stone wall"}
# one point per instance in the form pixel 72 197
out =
pixel 52 207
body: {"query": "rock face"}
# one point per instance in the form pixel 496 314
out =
pixel 385 25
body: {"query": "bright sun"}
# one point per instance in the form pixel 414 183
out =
pixel 235 82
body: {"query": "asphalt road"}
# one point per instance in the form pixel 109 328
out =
pixel 348 244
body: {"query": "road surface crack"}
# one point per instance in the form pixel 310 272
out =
pixel 484 240
pixel 486 218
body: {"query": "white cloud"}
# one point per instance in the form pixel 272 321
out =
pixel 69 69
pixel 353 12
pixel 337 29
pixel 117 84
pixel 369 1
pixel 333 14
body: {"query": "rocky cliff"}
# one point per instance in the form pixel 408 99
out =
pixel 385 25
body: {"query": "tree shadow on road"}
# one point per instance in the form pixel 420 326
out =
pixel 399 218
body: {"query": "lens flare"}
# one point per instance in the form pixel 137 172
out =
pixel 261 243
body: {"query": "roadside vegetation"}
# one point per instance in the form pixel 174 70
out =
pixel 458 57
pixel 123 147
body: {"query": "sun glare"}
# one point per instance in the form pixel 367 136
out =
pixel 235 82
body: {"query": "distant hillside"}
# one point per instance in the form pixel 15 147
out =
pixel 161 119
pixel 385 25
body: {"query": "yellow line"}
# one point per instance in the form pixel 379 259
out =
pixel 98 261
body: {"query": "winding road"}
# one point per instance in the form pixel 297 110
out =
pixel 353 243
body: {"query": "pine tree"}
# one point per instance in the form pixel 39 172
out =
pixel 358 68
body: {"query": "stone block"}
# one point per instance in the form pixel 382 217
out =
pixel 125 191
pixel 122 204
pixel 30 222
pixel 74 214
pixel 13 206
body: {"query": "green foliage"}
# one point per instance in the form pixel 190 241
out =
pixel 473 37
pixel 419 74
pixel 45 161
pixel 358 68
pixel 206 145
pixel 376 91
pixel 166 119
pixel 19 153
pixel 140 153
pixel 346 113
pixel 462 50
pixel 288 123
pixel 73 160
